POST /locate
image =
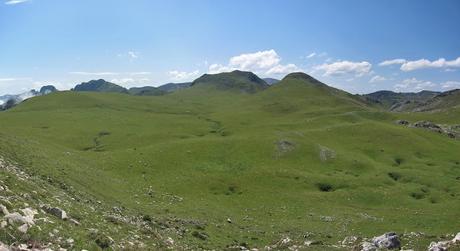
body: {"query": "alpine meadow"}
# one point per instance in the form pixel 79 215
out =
pixel 356 148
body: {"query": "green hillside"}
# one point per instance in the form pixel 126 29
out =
pixel 233 162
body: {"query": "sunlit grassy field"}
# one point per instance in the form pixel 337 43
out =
pixel 292 160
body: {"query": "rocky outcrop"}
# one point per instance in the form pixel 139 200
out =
pixel 452 131
pixel 388 240
pixel 445 245
pixel 22 222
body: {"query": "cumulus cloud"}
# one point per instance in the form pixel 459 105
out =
pixel 13 2
pixel 345 67
pixel 413 84
pixel 425 63
pixel 377 78
pixel 257 60
pixel 182 75
pixel 448 85
pixel 397 61
pixel 262 62
pixel 311 55
pixel 283 69
pixel 129 81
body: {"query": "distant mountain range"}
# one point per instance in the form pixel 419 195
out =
pixel 8 101
pixel 242 81
pixel 414 102
pixel 248 82
pixel 271 81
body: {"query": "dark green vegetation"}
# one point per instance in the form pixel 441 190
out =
pixel 233 161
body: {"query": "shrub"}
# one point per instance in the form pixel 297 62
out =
pixel 325 187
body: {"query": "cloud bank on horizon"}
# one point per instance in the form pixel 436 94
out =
pixel 65 43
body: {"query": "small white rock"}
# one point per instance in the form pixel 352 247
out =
pixel 23 228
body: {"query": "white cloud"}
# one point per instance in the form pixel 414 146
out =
pixel 182 75
pixel 129 81
pixel 218 68
pixel 345 67
pixel 140 73
pixel 377 78
pixel 130 55
pixel 133 55
pixel 413 84
pixel 262 62
pixel 283 69
pixel 425 63
pixel 13 2
pixel 85 73
pixel 13 79
pixel 316 55
pixel 257 60
pixel 450 85
pixel 393 61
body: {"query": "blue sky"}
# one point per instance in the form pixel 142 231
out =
pixel 359 46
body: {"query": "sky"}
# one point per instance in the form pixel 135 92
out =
pixel 358 46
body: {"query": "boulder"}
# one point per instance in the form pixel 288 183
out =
pixel 4 209
pixel 388 240
pixel 439 246
pixel 428 125
pixel 367 246
pixel 61 214
pixel 456 239
pixel 23 228
pixel 29 215
pixel 15 218
pixel 402 122
pixel 4 247
pixel 350 241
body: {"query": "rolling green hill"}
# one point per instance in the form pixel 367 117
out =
pixel 231 162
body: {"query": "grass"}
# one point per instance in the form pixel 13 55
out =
pixel 207 155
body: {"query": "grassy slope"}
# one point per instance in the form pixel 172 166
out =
pixel 218 151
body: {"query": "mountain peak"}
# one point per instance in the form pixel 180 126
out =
pixel 244 81
pixel 302 76
pixel 47 89
pixel 100 85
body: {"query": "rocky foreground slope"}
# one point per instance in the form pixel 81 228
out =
pixel 38 213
